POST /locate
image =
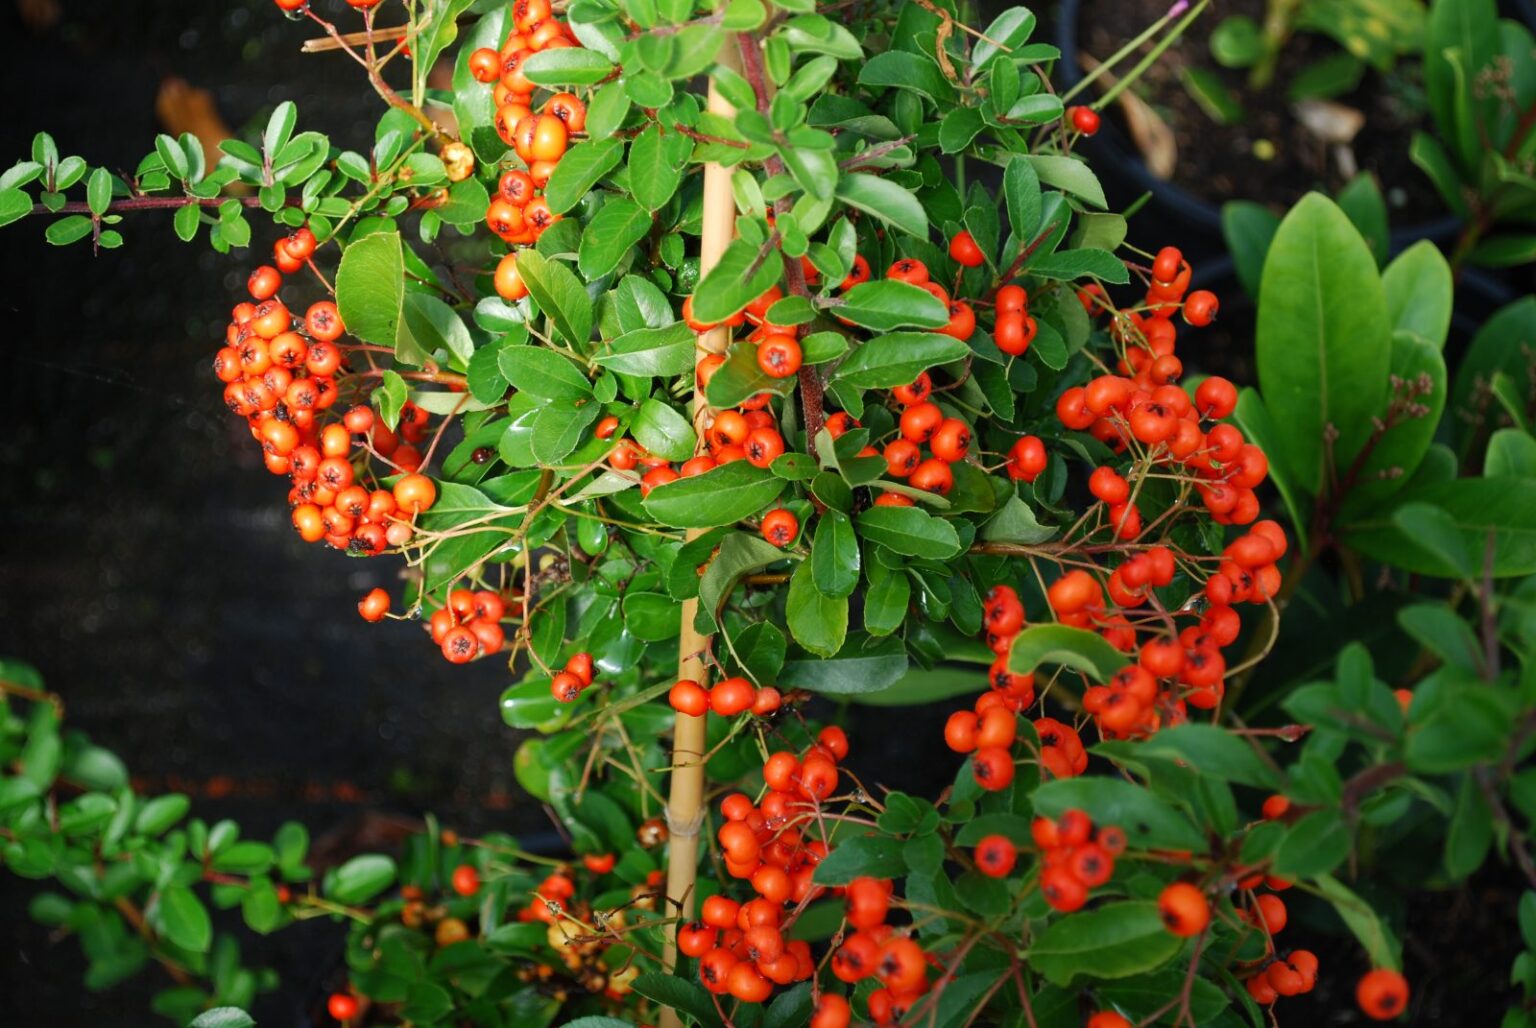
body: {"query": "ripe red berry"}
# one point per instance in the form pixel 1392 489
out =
pixel 1184 909
pixel 689 697
pixel 341 1006
pixel 964 251
pixel 1382 994
pixel 1085 120
pixel 995 856
pixel 780 527
pixel 465 880
pixel 374 606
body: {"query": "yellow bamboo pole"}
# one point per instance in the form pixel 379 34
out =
pixel 685 798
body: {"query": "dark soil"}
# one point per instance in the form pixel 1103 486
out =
pixel 1218 162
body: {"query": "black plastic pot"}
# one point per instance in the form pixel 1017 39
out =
pixel 1117 159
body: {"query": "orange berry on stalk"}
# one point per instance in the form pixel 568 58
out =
pixel 779 355
pixel 341 1006
pixel 264 282
pixel 374 606
pixel 415 494
pixel 964 251
pixel 1085 120
pixel 1382 994
pixel 832 1011
pixel 550 138
pixel 732 697
pixel 993 768
pixel 508 281
pixel 1184 909
pixel 569 109
pixel 1200 308
pixel 1106 1018
pixel 859 273
pixel 995 856
pixel 909 270
pixel 465 880
pixel 565 687
pixel 689 697
pixel 485 65
pixel 1027 459
pixel 962 321
pixel 780 527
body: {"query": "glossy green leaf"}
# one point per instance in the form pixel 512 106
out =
pixel 1323 346
pixel 720 496
pixel 608 236
pixel 559 293
pixel 663 431
pixel 651 352
pixel 370 288
pixel 582 167
pixel 885 200
pixel 815 620
pixel 183 919
pixel 897 359
pixel 1419 292
pixel 1114 941
pixel 1075 648
pixel 910 531
pixel 890 303
pixel 571 66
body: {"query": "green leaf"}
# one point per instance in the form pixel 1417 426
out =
pixel 558 292
pixel 607 238
pixel 360 879
pixel 157 815
pixel 790 1008
pixel 15 205
pixel 370 288
pixel 900 69
pixel 1419 289
pixel 680 994
pixel 1148 821
pixel 1470 835
pixel 1511 454
pixel 222 1017
pixel 98 191
pixel 862 665
pixel 1213 751
pixel 1067 265
pixel 570 66
pixel 1008 31
pixel 1362 203
pixel 1115 941
pixel 1015 522
pixel 740 554
pixel 531 705
pixel 816 621
pixel 580 169
pixel 736 281
pixel 897 359
pixel 1076 648
pixel 433 325
pixel 1236 42
pixel 663 431
pixel 1070 175
pixel 543 373
pixel 885 200
pixel 873 856
pixel 651 352
pixel 1417 363
pixel 1323 348
pixel 1315 845
pixel 1461 39
pixel 183 919
pixel 656 162
pixel 1467 726
pixel 720 496
pixel 910 531
pixel 890 303
pixel 1375 939
pixel 1021 189
pixel 835 555
pixel 919 686
pixel 1249 229
pixel 68 230
pixel 1475 508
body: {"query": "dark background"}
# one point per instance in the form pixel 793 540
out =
pixel 147 567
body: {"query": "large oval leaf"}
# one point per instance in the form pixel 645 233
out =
pixel 720 496
pixel 1114 941
pixel 1076 648
pixel 1324 347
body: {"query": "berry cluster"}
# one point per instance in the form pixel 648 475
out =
pixel 567 684
pixel 727 698
pixel 741 947
pixel 519 213
pixel 1075 857
pixel 468 625
pixel 284 375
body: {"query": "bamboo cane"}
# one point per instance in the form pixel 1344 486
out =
pixel 685 799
